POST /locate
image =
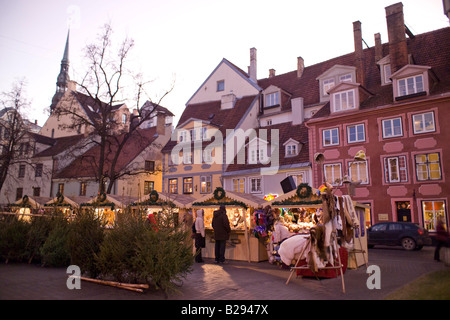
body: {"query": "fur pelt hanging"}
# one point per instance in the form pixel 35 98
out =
pixel 328 207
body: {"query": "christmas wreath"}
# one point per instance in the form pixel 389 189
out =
pixel 304 191
pixel 101 197
pixel 154 196
pixel 219 193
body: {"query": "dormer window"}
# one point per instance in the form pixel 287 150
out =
pixel 345 77
pixel 182 136
pixel 272 99
pixel 410 85
pixel 291 148
pixel 344 100
pixel 327 85
pixel 257 151
pixel 387 73
pixel 411 81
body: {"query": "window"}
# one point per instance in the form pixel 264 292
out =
pixel 380 227
pixel 424 122
pixel 83 187
pixel 327 85
pixel 173 185
pixel 21 171
pixel 203 133
pixel 291 150
pixel 344 100
pixel 392 128
pixel 239 185
pixel 36 192
pixel 257 154
pixel 410 85
pixel 149 186
pixel 272 99
pixel 358 172
pixel 38 170
pixel 395 169
pixel 61 188
pixel 149 165
pixel 124 118
pixel 192 134
pixel 330 137
pixel 355 133
pixel 269 122
pixel 19 193
pixel 182 136
pixel 221 85
pixel 431 211
pixel 207 156
pixel 428 166
pixel 345 77
pixel 205 184
pixel 387 73
pixel 187 158
pixel 333 174
pixel 255 185
pixel 187 185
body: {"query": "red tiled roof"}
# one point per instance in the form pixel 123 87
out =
pixel 58 145
pixel 286 131
pixel 211 112
pixel 86 164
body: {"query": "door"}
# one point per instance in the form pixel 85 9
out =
pixel 403 211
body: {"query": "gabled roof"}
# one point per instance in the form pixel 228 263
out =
pixel 86 164
pixel 286 132
pixel 91 106
pixel 212 113
pixel 427 49
pixel 238 70
pixel 58 145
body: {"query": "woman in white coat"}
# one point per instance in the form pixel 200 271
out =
pixel 199 235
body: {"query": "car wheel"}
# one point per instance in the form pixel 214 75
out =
pixel 408 244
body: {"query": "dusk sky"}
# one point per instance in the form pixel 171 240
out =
pixel 185 40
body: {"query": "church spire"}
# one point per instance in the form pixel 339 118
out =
pixel 63 77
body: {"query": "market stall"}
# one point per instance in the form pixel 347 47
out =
pixel 242 245
pixel 28 206
pixel 159 203
pixel 324 230
pixel 106 206
pixel 65 205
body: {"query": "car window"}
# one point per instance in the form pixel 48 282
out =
pixel 409 227
pixel 395 227
pixel 379 227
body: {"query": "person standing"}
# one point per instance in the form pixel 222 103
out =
pixel 199 235
pixel 222 230
pixel 441 237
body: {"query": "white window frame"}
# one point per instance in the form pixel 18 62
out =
pixel 404 87
pixel 387 73
pixel 238 183
pixel 187 157
pixel 291 150
pixel 334 180
pixel 391 121
pixel 427 164
pixel 327 85
pixel 252 190
pixel 344 100
pixel 205 184
pixel 272 99
pixel 182 136
pixel 345 77
pixel 359 170
pixel 393 169
pixel 330 131
pixel 356 126
pixel 421 120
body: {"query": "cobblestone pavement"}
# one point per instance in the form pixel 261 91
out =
pixel 232 281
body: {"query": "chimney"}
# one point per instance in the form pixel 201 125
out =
pixel 228 101
pixel 271 73
pixel 298 113
pixel 160 124
pixel 378 47
pixel 398 50
pixel 252 68
pixel 300 66
pixel 357 35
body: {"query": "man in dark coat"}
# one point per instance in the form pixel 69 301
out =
pixel 222 230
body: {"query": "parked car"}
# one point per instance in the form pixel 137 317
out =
pixel 406 234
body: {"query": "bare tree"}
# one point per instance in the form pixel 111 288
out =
pixel 12 129
pixel 104 84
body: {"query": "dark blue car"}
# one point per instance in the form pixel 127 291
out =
pixel 406 234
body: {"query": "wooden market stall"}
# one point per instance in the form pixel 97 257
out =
pixel 158 203
pixel 106 206
pixel 28 206
pixel 66 205
pixel 242 245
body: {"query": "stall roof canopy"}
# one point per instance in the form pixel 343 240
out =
pixel 248 199
pixel 310 196
pixel 178 200
pixel 34 202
